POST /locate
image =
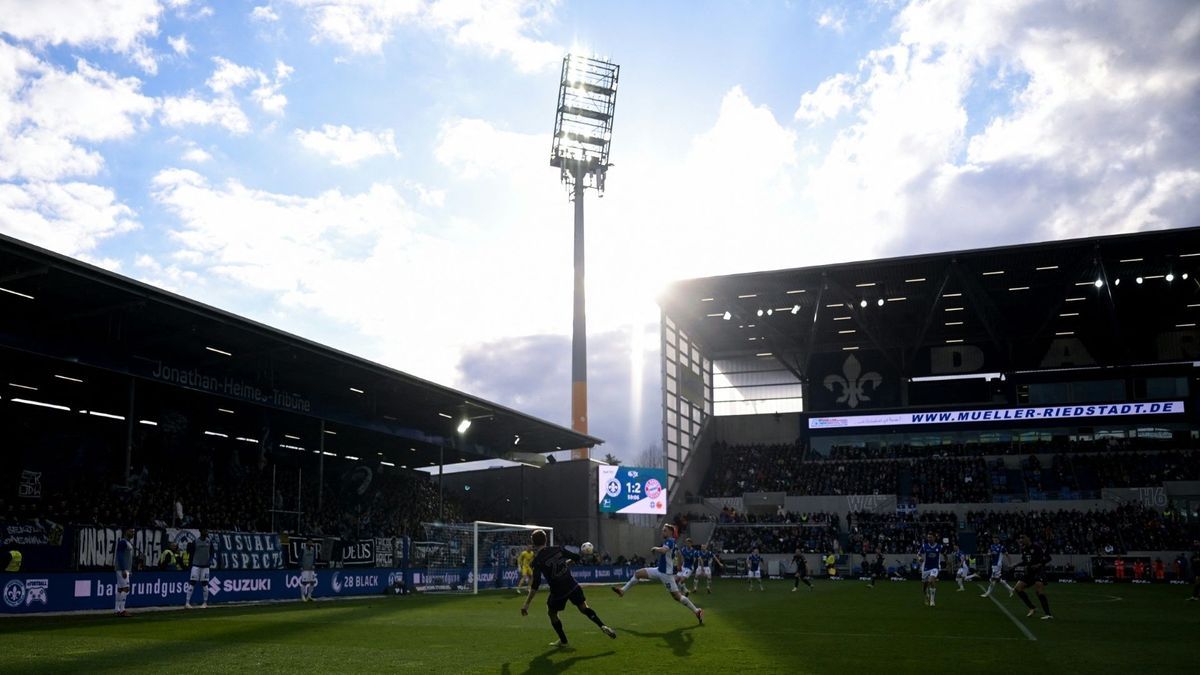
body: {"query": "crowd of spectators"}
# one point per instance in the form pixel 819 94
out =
pixel 776 538
pixel 950 476
pixel 888 533
pixel 1130 527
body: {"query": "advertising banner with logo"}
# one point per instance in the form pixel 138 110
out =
pixel 248 551
pixel 94 546
pixel 630 489
pixel 1053 412
pixel 358 553
pixel 435 579
pixel 27 593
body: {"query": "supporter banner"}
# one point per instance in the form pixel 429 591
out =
pixel 31 484
pixel 358 553
pixel 27 534
pixel 26 593
pixel 385 552
pixel 183 537
pixel 998 415
pixel 248 551
pixel 1150 497
pixel 95 546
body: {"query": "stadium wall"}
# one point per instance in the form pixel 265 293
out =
pixel 748 429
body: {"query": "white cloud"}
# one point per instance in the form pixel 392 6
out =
pixel 833 19
pixel 49 112
pixel 1090 132
pixel 504 28
pixel 196 155
pixel 70 218
pixel 264 13
pixel 229 75
pixel 344 146
pixel 179 111
pixel 267 93
pixel 180 45
pixel 117 25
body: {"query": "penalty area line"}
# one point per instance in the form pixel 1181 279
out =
pixel 1018 624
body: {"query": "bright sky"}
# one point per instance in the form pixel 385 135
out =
pixel 373 174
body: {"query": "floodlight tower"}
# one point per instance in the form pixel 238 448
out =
pixel 587 100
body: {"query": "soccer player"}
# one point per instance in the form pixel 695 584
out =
pixel 931 556
pixel 998 560
pixel 704 564
pixel 801 565
pixel 201 552
pixel 308 571
pixel 878 569
pixel 554 563
pixel 754 569
pixel 123 566
pixel 664 572
pixel 1035 561
pixel 687 561
pixel 524 562
pixel 964 569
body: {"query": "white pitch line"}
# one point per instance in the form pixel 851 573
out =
pixel 1007 613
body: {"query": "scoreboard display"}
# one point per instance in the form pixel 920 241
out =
pixel 630 489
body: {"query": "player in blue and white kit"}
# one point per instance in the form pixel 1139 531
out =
pixel 964 569
pixel 931 565
pixel 687 565
pixel 704 564
pixel 663 572
pixel 123 566
pixel 201 552
pixel 997 560
pixel 754 570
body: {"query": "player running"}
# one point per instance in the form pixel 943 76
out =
pixel 998 560
pixel 554 563
pixel 664 572
pixel 1035 561
pixel 686 557
pixel 878 569
pixel 801 565
pixel 931 558
pixel 200 552
pixel 964 572
pixel 704 564
pixel 754 569
pixel 524 564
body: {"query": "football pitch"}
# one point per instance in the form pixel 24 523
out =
pixel 839 627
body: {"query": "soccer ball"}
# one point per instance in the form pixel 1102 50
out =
pixel 586 548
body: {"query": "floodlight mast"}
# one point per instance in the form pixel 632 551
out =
pixel 587 100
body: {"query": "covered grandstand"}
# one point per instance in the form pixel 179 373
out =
pixel 884 398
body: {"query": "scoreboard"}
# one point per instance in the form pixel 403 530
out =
pixel 630 489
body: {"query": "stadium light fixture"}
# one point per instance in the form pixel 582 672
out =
pixel 583 122
pixel 294 438
pixel 149 423
pixel 727 316
pixel 916 280
pixel 795 309
pixel 216 433
pixel 1117 281
pixel 1184 276
pixel 863 304
pixel 40 404
pixel 1170 277
pixel 463 426
pixel 442 414
pixel 516 439
pixel 1046 267
pixel 69 379
pixel 17 293
pixel 225 410
pixel 331 433
pixel 22 386
pixel 96 413
pixel 1099 283
pixel 1140 280
pixel 760 312
pixel 357 391
pixel 222 352
pixel 879 302
pixel 770 312
pixel 387 464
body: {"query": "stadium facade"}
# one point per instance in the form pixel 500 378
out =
pixel 966 353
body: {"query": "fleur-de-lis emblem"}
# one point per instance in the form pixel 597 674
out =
pixel 852 385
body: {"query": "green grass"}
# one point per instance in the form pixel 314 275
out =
pixel 841 627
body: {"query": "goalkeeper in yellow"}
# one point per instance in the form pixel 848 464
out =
pixel 524 563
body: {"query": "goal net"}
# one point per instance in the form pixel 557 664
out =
pixel 469 557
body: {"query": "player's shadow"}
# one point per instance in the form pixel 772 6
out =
pixel 543 664
pixel 679 640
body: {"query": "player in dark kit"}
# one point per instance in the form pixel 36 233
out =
pixel 801 565
pixel 1034 574
pixel 878 569
pixel 554 563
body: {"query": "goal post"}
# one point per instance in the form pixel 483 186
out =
pixel 455 557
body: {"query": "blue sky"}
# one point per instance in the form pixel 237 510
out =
pixel 373 174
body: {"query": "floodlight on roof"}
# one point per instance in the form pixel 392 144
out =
pixel 463 426
pixel 863 303
pixel 222 352
pixel 879 302
pixel 1184 276
pixel 770 312
pixel 1099 283
pixel 1170 277
pixel 16 293
pixel 759 312
pixel 1140 280
pixel 795 309
pixel 727 316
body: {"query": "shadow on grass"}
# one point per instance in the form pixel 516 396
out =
pixel 543 663
pixel 679 640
